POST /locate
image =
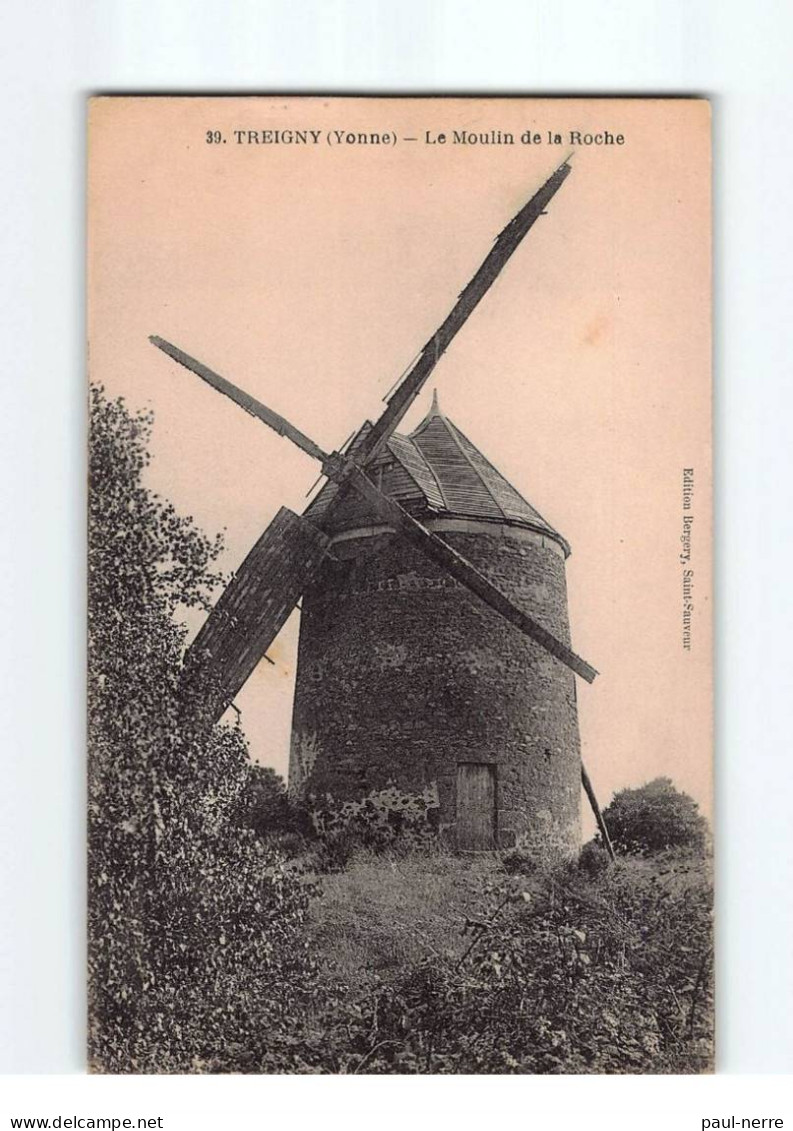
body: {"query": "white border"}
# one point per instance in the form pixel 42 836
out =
pixel 54 56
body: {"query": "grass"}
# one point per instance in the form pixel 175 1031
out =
pixel 431 961
pixel 387 911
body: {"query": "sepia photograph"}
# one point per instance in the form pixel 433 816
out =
pixel 399 585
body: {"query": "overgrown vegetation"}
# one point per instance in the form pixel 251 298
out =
pixel 497 974
pixel 197 953
pixel 383 819
pixel 234 927
pixel 654 818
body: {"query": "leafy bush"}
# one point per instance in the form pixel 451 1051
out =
pixel 518 862
pixel 593 859
pixel 266 807
pixel 384 819
pixel 654 818
pixel 196 953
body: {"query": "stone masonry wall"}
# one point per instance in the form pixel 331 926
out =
pixel 402 674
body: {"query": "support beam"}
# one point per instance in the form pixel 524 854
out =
pixel 593 801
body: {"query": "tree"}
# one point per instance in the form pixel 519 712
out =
pixel 195 953
pixel 655 817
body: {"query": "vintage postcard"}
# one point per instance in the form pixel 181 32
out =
pixel 400 729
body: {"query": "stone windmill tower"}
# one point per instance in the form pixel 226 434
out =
pixel 405 678
pixel 435 645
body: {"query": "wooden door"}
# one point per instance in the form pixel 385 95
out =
pixel 476 805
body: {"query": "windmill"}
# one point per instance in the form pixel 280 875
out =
pixel 295 552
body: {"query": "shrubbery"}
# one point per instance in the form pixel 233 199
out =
pixel 654 818
pixel 266 807
pixel 197 953
pixel 568 975
pixel 386 819
pixel 326 832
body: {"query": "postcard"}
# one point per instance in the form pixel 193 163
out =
pixel 400 663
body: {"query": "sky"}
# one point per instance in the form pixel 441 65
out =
pixel 311 275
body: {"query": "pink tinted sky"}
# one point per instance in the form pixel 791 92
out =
pixel 311 275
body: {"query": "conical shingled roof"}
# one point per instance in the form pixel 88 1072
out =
pixel 436 471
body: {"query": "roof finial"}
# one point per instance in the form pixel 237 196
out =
pixel 435 410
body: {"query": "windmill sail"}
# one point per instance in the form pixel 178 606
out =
pixel 469 298
pixel 245 401
pixel 271 580
pixel 252 610
pixel 349 476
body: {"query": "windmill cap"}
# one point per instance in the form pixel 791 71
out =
pixel 465 482
pixel 437 469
